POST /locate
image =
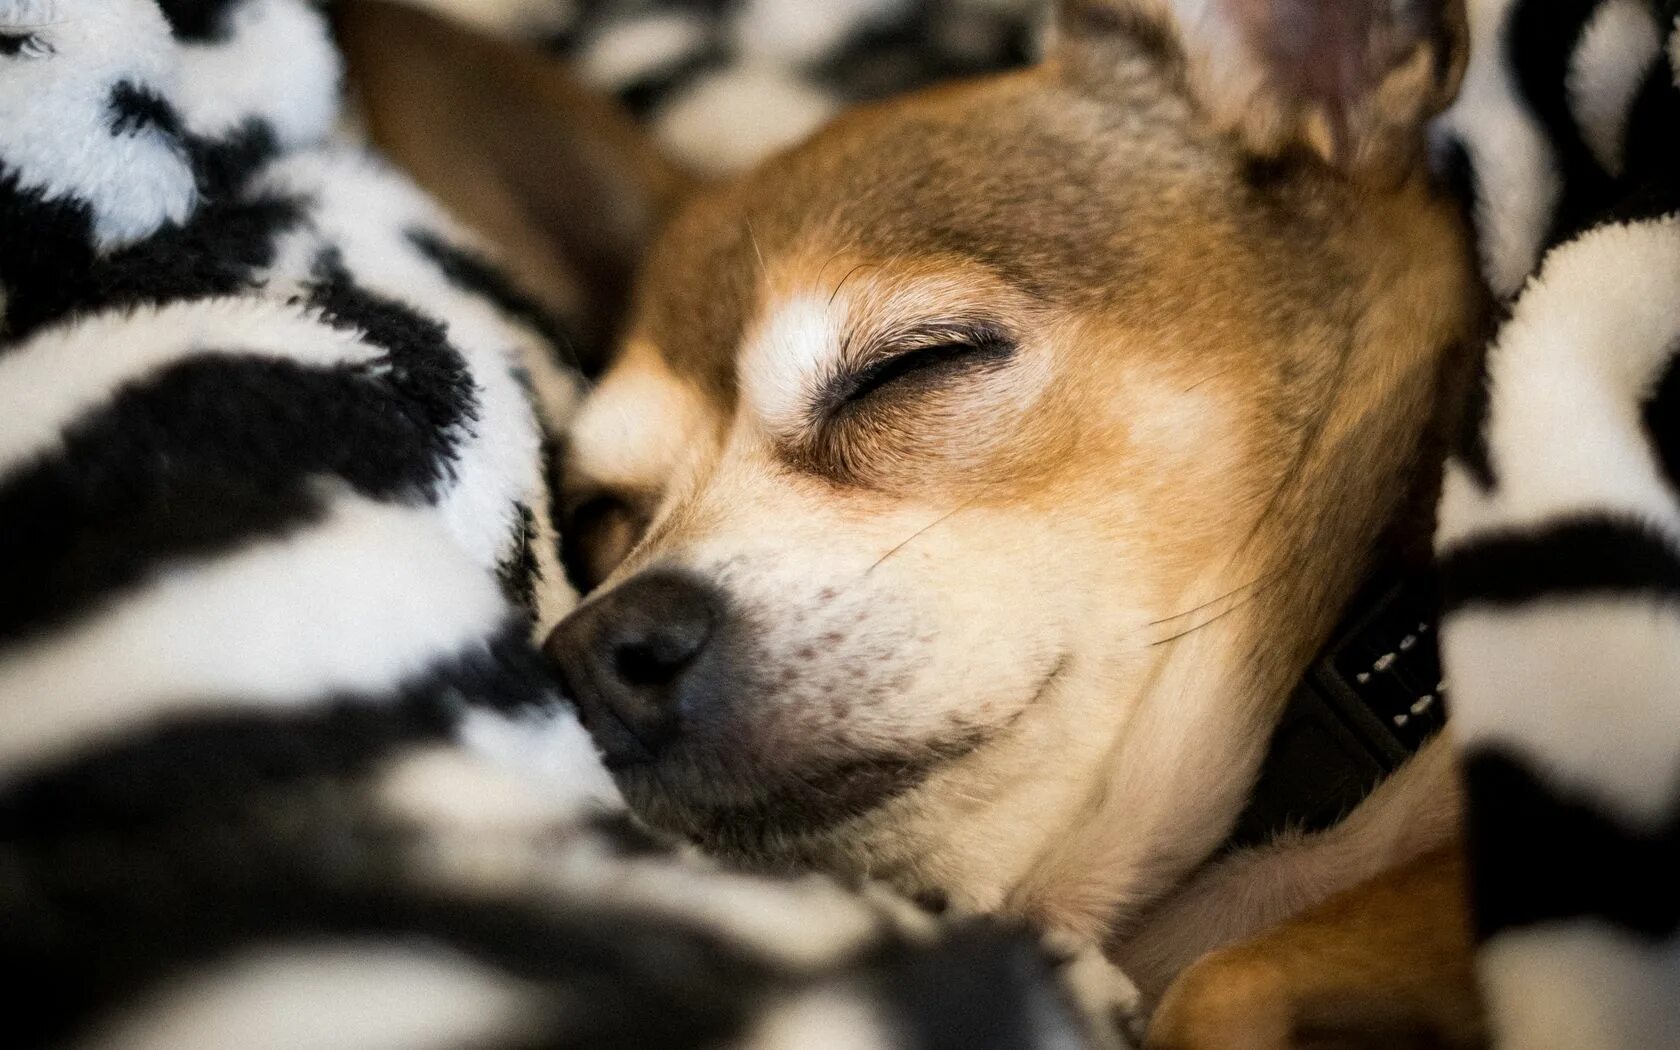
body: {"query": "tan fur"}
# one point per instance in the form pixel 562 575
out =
pixel 1069 586
pixel 1387 963
pixel 1409 814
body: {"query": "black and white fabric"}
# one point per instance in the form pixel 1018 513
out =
pixel 723 83
pixel 1559 534
pixel 279 765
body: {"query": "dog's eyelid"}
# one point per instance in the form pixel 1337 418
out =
pixel 915 350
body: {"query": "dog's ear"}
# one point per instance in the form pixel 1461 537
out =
pixel 557 177
pixel 1353 81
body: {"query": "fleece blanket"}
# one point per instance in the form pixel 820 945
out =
pixel 279 765
pixel 1559 531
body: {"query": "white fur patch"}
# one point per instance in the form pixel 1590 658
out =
pixel 453 790
pixel 368 995
pixel 228 81
pixel 794 347
pixel 826 1020
pixel 804 924
pixel 550 750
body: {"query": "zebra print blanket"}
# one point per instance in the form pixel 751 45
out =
pixel 1559 533
pixel 276 764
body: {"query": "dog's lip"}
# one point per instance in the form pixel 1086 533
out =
pixel 809 803
pixel 804 804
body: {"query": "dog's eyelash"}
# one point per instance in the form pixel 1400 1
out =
pixel 976 347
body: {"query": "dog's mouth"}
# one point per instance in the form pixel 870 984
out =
pixel 769 813
pixel 786 810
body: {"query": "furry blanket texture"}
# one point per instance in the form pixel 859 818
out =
pixel 278 765
pixel 1559 531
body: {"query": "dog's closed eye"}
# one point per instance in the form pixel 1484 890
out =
pixel 920 360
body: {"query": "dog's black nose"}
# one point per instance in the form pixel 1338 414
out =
pixel 625 658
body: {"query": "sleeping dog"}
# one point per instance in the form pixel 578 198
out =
pixel 975 480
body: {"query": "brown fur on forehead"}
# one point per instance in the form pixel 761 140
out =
pixel 1122 206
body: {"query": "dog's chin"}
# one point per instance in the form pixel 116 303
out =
pixel 789 819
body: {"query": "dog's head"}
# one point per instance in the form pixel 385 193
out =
pixel 975 478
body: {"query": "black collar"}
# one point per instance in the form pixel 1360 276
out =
pixel 1368 703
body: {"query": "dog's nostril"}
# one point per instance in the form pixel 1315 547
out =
pixel 628 659
pixel 652 648
pixel 654 661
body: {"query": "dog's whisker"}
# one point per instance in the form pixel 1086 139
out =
pixel 752 235
pixel 860 266
pixel 919 533
pixel 1262 578
pixel 1208 379
pixel 1215 618
pixel 965 796
pixel 830 261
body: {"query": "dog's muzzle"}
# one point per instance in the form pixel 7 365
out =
pixel 681 701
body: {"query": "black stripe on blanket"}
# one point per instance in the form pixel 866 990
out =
pixel 1661 415
pixel 218 450
pixel 46 240
pixel 1540 40
pixel 91 926
pixel 973 989
pixel 136 110
pixel 416 343
pixel 475 275
pixel 218 762
pixel 198 21
pixel 207 455
pixel 518 571
pixel 220 165
pixel 1595 555
pixel 217 253
pixel 14 44
pixel 1540 854
pixel 1651 175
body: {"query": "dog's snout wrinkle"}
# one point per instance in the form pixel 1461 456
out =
pixel 626 656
